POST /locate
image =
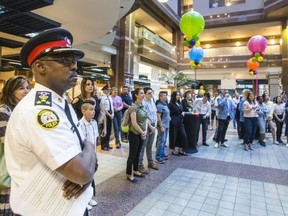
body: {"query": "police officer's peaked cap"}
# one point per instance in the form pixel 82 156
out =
pixel 51 41
pixel 106 87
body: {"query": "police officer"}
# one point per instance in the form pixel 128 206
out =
pixel 106 105
pixel 43 129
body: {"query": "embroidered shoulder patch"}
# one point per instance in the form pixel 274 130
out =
pixel 43 98
pixel 48 119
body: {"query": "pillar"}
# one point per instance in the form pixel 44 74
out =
pixel 273 82
pixel 123 63
pixel 284 52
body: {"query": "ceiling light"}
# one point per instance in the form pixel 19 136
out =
pixel 162 1
pixel 272 41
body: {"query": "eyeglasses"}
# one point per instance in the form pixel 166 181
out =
pixel 63 60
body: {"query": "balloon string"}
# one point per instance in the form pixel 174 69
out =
pixel 257 84
pixel 195 78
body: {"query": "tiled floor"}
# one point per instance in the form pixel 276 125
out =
pixel 188 192
pixel 214 181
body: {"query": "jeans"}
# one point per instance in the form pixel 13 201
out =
pixel 117 125
pixel 135 145
pixel 222 128
pixel 250 129
pixel 148 142
pixel 204 123
pixel 162 138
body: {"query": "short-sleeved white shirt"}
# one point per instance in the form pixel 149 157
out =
pixel 29 140
pixel 105 102
pixel 90 130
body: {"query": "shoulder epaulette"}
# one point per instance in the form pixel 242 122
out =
pixel 43 98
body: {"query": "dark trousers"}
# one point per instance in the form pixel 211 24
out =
pixel 105 140
pixel 250 127
pixel 85 213
pixel 177 136
pixel 204 124
pixel 279 126
pixel 135 145
pixel 222 128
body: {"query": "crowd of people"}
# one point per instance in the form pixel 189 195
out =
pixel 40 130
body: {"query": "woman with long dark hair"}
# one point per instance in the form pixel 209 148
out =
pixel 250 120
pixel 137 134
pixel 87 89
pixel 177 134
pixel 15 89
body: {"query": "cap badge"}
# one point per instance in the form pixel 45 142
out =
pixel 68 42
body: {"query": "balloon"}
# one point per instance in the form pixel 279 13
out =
pixel 196 37
pixel 202 91
pixel 196 54
pixel 188 37
pixel 192 42
pixel 257 55
pixel 198 66
pixel 252 65
pixel 257 43
pixel 260 59
pixel 197 44
pixel 254 59
pixel 186 43
pixel 201 87
pixel 192 23
pixel 191 62
pixel 251 72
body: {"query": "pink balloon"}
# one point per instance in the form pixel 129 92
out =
pixel 257 43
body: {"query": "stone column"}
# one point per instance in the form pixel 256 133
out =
pixel 122 63
pixel 284 52
pixel 273 82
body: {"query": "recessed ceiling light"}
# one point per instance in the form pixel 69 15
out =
pixel 162 1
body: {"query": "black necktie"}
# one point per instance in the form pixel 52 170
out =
pixel 68 114
pixel 110 108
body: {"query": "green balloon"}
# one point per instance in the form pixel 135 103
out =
pixel 196 37
pixel 186 43
pixel 257 55
pixel 254 59
pixel 192 23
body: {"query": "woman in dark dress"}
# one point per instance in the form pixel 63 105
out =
pixel 177 133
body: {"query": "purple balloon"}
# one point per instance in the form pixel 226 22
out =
pixel 257 43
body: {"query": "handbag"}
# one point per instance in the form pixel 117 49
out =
pixel 5 179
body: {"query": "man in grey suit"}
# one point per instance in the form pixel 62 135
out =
pixel 225 113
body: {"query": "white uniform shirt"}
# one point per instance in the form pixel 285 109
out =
pixel 105 102
pixel 39 134
pixel 90 130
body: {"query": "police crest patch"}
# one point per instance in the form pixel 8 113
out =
pixel 48 119
pixel 43 98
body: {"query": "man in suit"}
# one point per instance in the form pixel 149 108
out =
pixel 225 113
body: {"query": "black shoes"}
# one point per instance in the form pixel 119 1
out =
pixel 118 145
pixel 105 149
pixel 205 144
